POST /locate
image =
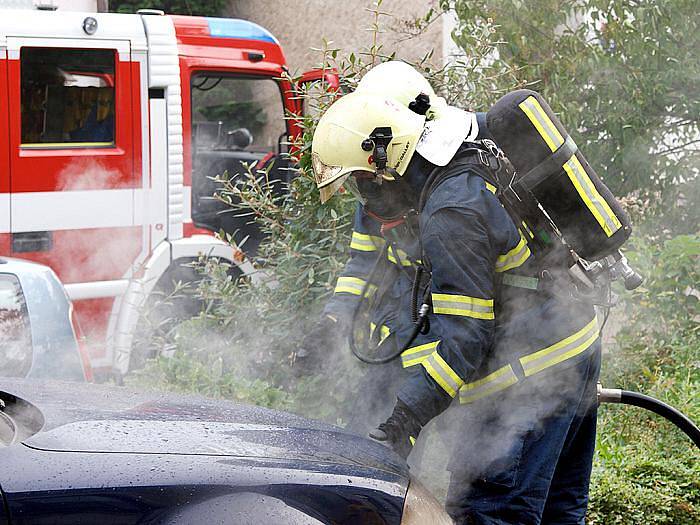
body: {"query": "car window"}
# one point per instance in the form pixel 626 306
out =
pixel 67 97
pixel 15 333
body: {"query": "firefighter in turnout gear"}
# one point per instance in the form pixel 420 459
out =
pixel 507 344
pixel 391 249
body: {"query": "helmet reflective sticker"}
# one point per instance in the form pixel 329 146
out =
pixel 323 173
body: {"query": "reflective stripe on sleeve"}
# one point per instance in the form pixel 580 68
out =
pixel 463 305
pixel 590 196
pixel 542 122
pixel 492 383
pixel 443 374
pixel 417 354
pixel 490 187
pixel 567 348
pixel 514 258
pixel 365 243
pixel 353 285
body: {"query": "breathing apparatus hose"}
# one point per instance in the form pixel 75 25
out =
pixel 683 422
pixel 419 315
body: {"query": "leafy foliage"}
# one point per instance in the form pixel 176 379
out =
pixel 646 470
pixel 171 7
pixel 621 75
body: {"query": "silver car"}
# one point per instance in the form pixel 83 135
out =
pixel 37 334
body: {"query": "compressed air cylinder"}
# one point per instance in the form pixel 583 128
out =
pixel 550 166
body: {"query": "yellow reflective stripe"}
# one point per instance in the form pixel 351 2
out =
pixel 594 201
pixel 365 243
pixel 412 440
pixel 352 285
pixel 66 145
pixel 490 187
pixel 492 383
pixel 528 231
pixel 401 255
pixel 562 350
pixel 542 122
pixel 417 354
pixel 443 374
pixel 514 258
pixel 463 305
pixel 384 331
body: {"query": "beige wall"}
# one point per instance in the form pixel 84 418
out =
pixel 303 24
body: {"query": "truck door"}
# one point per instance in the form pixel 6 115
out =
pixel 72 177
pixel 237 120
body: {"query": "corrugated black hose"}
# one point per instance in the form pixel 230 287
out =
pixel 626 397
pixel 419 317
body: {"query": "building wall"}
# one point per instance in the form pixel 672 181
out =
pixel 301 25
pixel 64 5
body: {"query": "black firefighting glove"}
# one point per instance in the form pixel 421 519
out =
pixel 400 431
pixel 310 355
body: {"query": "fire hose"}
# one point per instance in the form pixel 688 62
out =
pixel 625 397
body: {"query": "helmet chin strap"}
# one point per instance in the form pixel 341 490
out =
pixel 378 142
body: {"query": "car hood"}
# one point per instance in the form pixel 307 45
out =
pixel 95 418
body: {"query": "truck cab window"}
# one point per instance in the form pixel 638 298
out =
pixel 15 333
pixel 67 97
pixel 236 121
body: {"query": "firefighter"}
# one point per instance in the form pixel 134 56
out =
pixel 396 245
pixel 505 337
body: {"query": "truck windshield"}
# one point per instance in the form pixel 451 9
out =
pixel 16 347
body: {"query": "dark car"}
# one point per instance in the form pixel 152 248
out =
pixel 84 453
pixel 37 332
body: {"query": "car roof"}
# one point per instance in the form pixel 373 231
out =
pixel 14 265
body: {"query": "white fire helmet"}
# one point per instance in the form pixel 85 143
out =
pixel 446 127
pixel 353 130
pixel 403 83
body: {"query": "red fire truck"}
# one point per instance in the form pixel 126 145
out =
pixel 113 126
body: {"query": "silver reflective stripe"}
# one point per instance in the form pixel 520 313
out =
pixel 443 374
pixel 542 122
pixel 416 355
pixel 452 304
pixel 353 285
pixel 520 281
pixel 562 350
pixel 365 243
pixel 514 258
pixel 590 196
pixel 492 383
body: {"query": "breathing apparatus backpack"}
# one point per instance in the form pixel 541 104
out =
pixel 554 193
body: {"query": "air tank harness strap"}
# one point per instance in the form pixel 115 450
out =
pixel 551 165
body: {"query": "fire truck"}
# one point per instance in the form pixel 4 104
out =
pixel 113 127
